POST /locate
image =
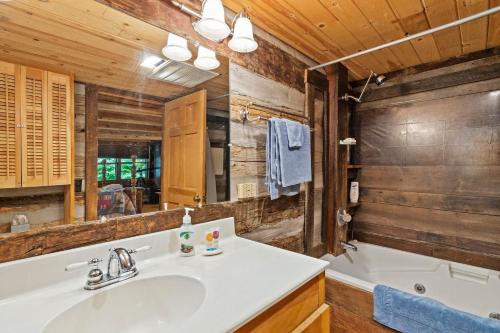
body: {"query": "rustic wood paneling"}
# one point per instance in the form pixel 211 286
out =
pixel 430 177
pixel 352 309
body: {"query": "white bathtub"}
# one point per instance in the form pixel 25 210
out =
pixel 464 287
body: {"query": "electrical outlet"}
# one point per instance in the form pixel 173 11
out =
pixel 247 190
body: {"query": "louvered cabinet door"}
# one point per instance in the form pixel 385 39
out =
pixel 34 127
pixel 60 120
pixel 10 131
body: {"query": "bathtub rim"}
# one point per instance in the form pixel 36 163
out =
pixel 350 280
pixel 369 286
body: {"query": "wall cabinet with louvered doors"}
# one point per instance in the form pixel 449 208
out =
pixel 10 131
pixel 60 118
pixel 36 120
pixel 34 128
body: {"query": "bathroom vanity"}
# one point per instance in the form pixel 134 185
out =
pixel 250 287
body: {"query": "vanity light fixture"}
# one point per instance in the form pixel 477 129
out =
pixel 212 24
pixel 176 48
pixel 206 59
pixel 151 61
pixel 242 40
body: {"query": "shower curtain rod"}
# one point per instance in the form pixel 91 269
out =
pixel 407 38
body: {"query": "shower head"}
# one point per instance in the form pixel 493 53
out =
pixel 379 79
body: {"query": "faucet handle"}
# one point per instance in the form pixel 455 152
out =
pixel 140 249
pixel 78 265
pixel 343 217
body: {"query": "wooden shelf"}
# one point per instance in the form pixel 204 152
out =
pixel 352 205
pixel 354 166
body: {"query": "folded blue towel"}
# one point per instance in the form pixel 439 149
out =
pixel 295 131
pixel 408 313
pixel 273 169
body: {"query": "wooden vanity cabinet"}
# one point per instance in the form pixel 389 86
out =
pixel 303 311
pixel 36 118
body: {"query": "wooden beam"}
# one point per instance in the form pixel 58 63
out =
pixel 69 190
pixel 317 79
pixel 91 100
pixel 309 208
pixel 475 74
pixel 338 113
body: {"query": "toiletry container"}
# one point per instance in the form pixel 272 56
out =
pixel 186 235
pixel 354 194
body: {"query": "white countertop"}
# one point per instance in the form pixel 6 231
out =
pixel 241 283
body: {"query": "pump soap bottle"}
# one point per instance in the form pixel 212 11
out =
pixel 186 235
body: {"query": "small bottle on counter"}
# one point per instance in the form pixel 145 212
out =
pixel 212 242
pixel 186 235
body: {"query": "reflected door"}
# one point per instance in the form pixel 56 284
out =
pixel 183 151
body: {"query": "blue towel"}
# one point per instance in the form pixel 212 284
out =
pixel 295 163
pixel 295 133
pixel 273 169
pixel 408 313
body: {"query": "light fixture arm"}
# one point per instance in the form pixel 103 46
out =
pixel 186 9
pixel 346 96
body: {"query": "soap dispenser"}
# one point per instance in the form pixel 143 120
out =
pixel 186 235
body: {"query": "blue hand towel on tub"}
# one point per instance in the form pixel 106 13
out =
pixel 408 313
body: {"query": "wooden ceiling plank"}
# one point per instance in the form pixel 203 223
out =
pixel 382 19
pixel 354 21
pixel 494 27
pixel 92 17
pixel 301 39
pixel 440 12
pixel 314 15
pixel 26 39
pixel 474 34
pixel 270 20
pixel 51 27
pixel 412 19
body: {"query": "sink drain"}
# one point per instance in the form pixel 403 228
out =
pixel 419 288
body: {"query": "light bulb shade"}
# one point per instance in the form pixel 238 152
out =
pixel 206 59
pixel 212 24
pixel 243 40
pixel 176 48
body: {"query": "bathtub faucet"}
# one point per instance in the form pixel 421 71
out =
pixel 348 246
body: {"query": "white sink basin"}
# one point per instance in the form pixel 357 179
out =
pixel 159 304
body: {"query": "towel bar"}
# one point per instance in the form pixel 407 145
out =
pixel 245 116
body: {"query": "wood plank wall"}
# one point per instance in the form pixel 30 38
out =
pixel 430 181
pixel 269 98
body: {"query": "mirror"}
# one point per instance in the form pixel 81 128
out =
pixel 149 133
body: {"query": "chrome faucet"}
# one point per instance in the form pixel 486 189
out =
pixel 121 266
pixel 348 246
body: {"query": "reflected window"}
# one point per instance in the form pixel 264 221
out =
pixel 141 165
pixel 108 164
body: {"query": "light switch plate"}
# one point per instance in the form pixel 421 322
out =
pixel 247 190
